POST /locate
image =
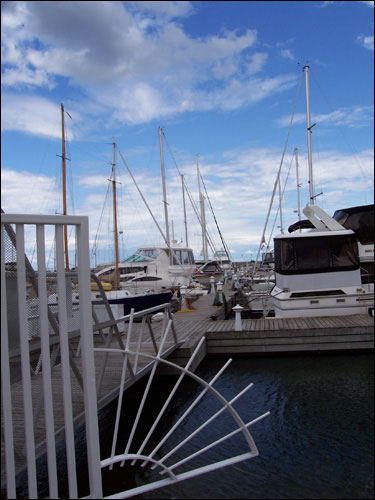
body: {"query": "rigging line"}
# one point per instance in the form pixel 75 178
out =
pixel 100 222
pixel 278 174
pixel 217 225
pixel 346 139
pixel 178 170
pixel 185 185
pixel 209 238
pixel 88 152
pixel 152 215
pixel 193 204
pixel 278 207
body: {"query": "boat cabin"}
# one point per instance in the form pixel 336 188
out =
pixel 322 252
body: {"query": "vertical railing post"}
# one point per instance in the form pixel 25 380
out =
pixel 45 351
pixel 25 362
pixel 65 363
pixel 5 382
pixel 88 365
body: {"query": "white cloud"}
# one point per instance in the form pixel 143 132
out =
pixel 33 115
pixel 325 4
pixel 287 54
pixel 352 117
pixel 166 10
pixel 142 67
pixel 25 192
pixel 241 221
pixel 256 62
pixel 366 41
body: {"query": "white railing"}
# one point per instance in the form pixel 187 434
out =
pixel 140 351
pixel 23 275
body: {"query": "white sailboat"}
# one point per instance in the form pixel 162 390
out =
pixel 318 268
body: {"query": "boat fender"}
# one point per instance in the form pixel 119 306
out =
pixel 157 317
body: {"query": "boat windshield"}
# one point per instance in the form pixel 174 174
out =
pixel 319 254
pixel 151 253
pixel 211 267
pixel 184 256
pixel 137 257
pixel 221 255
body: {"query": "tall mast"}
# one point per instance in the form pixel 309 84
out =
pixel 117 273
pixel 164 193
pixel 64 185
pixel 183 200
pixel 203 216
pixel 298 184
pixel 309 132
pixel 280 207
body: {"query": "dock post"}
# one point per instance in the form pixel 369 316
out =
pixel 237 322
pixel 184 305
pixel 219 292
pixel 212 284
pixel 236 282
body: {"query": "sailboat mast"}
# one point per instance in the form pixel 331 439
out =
pixel 280 207
pixel 64 185
pixel 309 132
pixel 203 215
pixel 183 201
pixel 117 273
pixel 164 192
pixel 298 185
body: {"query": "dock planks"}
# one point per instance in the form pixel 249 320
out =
pixel 281 335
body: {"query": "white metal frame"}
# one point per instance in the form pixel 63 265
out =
pixel 88 369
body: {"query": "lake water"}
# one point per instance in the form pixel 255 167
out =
pixel 318 441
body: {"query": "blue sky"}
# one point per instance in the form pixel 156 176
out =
pixel 220 78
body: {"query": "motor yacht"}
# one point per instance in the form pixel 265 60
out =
pixel 318 270
pixel 153 268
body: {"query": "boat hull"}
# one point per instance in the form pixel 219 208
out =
pixel 142 301
pixel 321 305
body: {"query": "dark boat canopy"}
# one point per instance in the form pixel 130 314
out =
pixel 301 224
pixel 358 219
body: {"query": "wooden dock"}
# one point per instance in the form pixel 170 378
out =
pixel 296 335
pixel 269 336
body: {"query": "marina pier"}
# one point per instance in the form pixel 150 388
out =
pixel 53 383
